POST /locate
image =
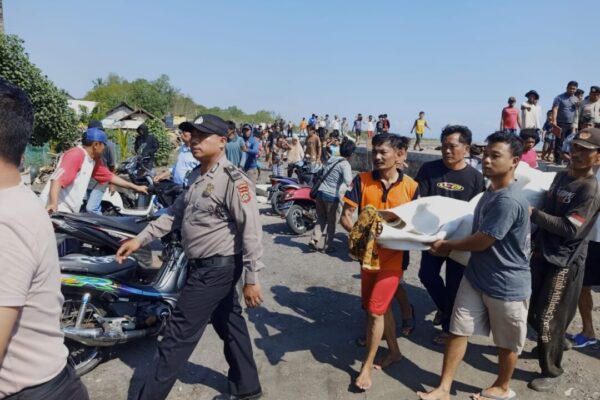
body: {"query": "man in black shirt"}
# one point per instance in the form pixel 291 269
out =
pixel 146 145
pixel 449 177
pixel 564 221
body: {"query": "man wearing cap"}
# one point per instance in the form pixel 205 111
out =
pixel 252 151
pixel 109 158
pixel 510 121
pixel 589 110
pixel 221 235
pixel 564 221
pixel 531 111
pixel 564 107
pixel 66 187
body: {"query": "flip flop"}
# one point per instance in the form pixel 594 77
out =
pixel 581 341
pixel 483 396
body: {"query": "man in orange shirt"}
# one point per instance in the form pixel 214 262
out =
pixel 385 187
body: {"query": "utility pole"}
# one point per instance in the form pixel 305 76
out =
pixel 1 18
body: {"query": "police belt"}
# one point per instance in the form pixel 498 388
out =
pixel 214 261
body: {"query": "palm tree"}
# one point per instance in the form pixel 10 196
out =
pixel 1 18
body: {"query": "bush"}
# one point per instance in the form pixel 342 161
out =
pixel 54 120
pixel 166 147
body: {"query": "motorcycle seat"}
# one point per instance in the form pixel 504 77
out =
pixel 126 224
pixel 100 266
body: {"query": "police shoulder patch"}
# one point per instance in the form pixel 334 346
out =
pixel 244 192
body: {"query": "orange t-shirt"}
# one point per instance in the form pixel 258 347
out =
pixel 367 188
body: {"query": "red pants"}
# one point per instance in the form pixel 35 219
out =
pixel 378 289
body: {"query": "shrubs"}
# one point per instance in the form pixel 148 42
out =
pixel 165 146
pixel 55 122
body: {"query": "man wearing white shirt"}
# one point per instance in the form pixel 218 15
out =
pixel 531 111
pixel 589 110
pixel 370 126
pixel 335 124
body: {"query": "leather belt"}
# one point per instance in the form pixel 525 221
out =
pixel 214 261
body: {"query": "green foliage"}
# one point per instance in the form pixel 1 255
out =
pixel 121 138
pixel 159 97
pixel 54 120
pixel 166 147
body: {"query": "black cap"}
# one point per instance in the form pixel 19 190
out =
pixel 246 127
pixel 206 123
pixel 533 93
pixel 588 138
pixel 594 90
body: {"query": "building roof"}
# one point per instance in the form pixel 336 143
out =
pixel 130 121
pixel 121 104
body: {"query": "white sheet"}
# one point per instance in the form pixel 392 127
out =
pixel 428 219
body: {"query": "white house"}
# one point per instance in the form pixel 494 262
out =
pixel 82 106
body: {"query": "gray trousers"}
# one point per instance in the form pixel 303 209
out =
pixel 326 216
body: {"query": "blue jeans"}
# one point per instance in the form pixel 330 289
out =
pixel 95 199
pixel 443 295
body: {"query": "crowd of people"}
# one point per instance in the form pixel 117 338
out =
pixel 528 267
pixel 571 111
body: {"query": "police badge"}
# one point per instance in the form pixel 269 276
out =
pixel 208 190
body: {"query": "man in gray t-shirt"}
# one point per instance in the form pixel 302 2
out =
pixel 502 270
pixel 494 293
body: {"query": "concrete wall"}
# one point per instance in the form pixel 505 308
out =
pixel 361 161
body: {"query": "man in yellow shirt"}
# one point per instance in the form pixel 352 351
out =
pixel 303 124
pixel 419 128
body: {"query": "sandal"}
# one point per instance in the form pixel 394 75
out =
pixel 483 396
pixel 409 324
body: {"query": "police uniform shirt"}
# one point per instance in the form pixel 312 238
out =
pixel 218 216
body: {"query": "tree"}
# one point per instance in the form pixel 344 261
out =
pixel 165 146
pixel 54 120
pixel 159 97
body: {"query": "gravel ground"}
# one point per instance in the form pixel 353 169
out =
pixel 304 336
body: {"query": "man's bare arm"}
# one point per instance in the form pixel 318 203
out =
pixel 346 217
pixel 8 318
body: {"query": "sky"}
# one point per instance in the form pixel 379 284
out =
pixel 458 61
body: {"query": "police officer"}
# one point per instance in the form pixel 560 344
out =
pixel 221 235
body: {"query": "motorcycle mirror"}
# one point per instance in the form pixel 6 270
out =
pixel 34 171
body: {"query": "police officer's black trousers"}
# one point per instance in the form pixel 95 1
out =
pixel 209 294
pixel 553 305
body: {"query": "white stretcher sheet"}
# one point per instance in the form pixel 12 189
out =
pixel 427 219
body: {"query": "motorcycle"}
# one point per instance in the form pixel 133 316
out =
pixel 98 235
pixel 274 192
pixel 107 303
pixel 126 203
pixel 305 173
pixel 298 208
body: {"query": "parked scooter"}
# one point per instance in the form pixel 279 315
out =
pixel 298 208
pixel 127 203
pixel 305 172
pixel 107 303
pixel 274 192
pixel 97 235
